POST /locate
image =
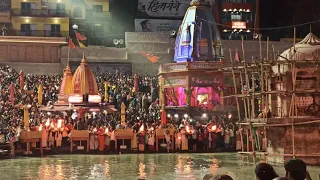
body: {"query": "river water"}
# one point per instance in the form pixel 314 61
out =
pixel 132 166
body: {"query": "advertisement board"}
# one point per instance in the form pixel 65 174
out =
pixel 163 8
pixel 239 25
pixel 156 25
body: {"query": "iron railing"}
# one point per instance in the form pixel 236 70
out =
pixel 39 33
pixel 39 12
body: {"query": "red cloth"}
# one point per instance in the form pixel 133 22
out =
pixel 71 44
pixel 80 37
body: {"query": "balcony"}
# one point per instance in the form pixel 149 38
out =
pixel 39 33
pixel 39 12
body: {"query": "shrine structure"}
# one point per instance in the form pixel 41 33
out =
pixel 193 85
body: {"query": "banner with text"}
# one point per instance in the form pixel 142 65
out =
pixel 163 8
pixel 156 25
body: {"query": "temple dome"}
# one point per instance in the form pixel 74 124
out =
pixel 66 83
pixel 199 3
pixel 84 81
pixel 307 49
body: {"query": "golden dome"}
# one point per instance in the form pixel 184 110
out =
pixel 65 85
pixel 84 81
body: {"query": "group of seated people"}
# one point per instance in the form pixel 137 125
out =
pixel 295 169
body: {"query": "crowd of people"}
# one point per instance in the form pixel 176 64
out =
pixel 142 115
pixel 295 169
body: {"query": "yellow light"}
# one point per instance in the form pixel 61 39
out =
pixel 225 10
pixel 56 21
pixel 59 1
pixel 27 20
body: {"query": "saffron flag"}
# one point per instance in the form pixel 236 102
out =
pixel 150 57
pixel 71 44
pixel 26 120
pixel 106 94
pixel 135 83
pixel 12 94
pixel 81 45
pixel 21 79
pixel 40 89
pixel 236 56
pixel 80 37
pixel 123 114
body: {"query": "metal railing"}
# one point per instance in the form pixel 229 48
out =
pixel 39 12
pixel 39 33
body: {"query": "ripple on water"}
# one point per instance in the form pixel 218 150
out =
pixel 144 166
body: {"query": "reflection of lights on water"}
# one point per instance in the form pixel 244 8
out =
pixel 107 168
pixel 179 165
pixel 214 166
pixel 142 168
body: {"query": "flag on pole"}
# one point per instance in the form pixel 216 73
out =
pixel 21 79
pixel 80 44
pixel 71 44
pixel 106 94
pixel 80 37
pixel 123 114
pixel 26 120
pixel 236 56
pixel 40 89
pixel 150 57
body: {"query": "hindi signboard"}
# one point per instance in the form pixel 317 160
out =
pixel 156 25
pixel 163 8
pixel 239 25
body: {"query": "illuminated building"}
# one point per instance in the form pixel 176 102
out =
pixel 198 40
pixel 39 18
pixel 238 18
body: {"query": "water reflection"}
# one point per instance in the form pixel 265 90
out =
pixel 148 166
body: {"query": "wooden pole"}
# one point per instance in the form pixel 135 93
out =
pixel 260 46
pixel 237 100
pixel 267 48
pixel 248 85
pixel 294 74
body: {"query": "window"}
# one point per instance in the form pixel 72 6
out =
pixel 28 29
pixel 25 8
pixel 77 12
pixel 236 17
pixel 5 5
pixel 52 30
pixel 61 9
pixel 55 30
pixel 97 8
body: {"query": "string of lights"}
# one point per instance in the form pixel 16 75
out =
pixel 271 28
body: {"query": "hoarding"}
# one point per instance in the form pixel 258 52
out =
pixel 156 25
pixel 239 25
pixel 163 8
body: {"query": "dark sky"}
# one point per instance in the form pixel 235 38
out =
pixel 279 13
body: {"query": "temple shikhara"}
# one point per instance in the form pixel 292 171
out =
pixel 79 89
pixel 193 85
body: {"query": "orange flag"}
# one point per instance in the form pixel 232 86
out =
pixel 80 37
pixel 71 44
pixel 150 57
pixel 21 75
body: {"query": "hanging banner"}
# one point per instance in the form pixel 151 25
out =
pixel 163 8
pixel 156 25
